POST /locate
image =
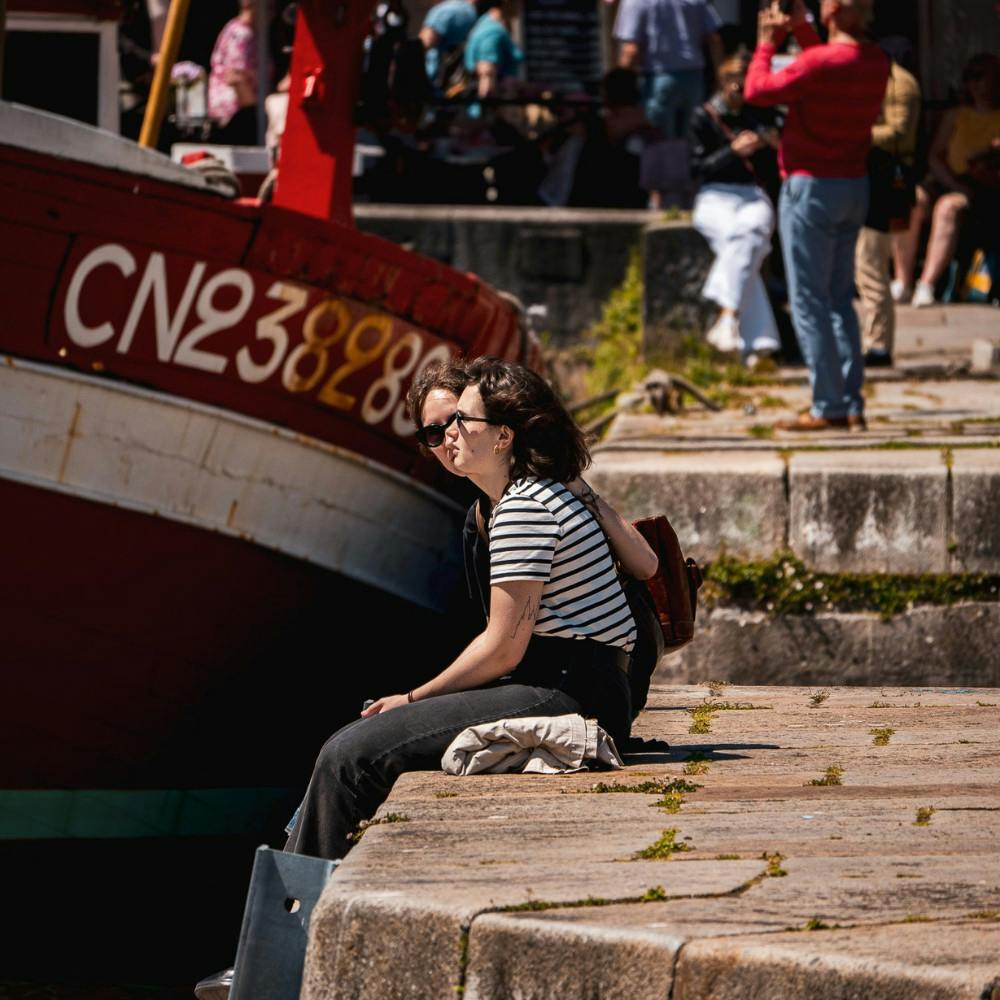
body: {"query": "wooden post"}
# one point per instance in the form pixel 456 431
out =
pixel 157 106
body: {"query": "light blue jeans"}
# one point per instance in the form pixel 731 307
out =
pixel 669 98
pixel 819 219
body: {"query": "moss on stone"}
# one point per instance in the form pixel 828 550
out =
pixel 774 869
pixel 831 776
pixel 391 817
pixel 783 585
pixel 663 848
pixel 655 787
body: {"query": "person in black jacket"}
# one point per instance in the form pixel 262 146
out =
pixel 733 157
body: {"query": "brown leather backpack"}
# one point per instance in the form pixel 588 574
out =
pixel 663 606
pixel 674 587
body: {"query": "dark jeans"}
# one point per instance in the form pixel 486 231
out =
pixel 359 764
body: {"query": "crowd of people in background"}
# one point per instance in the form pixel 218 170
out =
pixel 801 160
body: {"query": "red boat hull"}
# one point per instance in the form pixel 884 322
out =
pixel 155 640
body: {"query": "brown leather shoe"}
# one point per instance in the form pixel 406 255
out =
pixel 856 422
pixel 807 422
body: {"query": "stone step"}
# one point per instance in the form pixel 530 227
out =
pixel 950 646
pixel 842 510
pixel 878 882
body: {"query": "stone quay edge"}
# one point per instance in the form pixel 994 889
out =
pixel 840 842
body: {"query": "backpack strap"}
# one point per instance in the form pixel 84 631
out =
pixel 713 112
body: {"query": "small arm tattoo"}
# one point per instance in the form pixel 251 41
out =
pixel 529 614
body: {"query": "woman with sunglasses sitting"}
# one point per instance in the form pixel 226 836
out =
pixel 559 631
pixel 433 400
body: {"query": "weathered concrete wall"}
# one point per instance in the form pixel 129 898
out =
pixel 675 261
pixel 975 525
pixel 870 511
pixel 930 645
pixel 850 511
pixel 569 260
pixel 737 505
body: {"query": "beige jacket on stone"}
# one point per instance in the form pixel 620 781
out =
pixel 535 745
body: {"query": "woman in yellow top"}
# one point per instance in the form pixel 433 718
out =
pixel 962 170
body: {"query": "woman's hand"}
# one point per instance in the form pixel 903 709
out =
pixel 746 143
pixel 386 704
pixel 772 25
pixel 627 546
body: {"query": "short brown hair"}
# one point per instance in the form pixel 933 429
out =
pixel 732 66
pixel 451 376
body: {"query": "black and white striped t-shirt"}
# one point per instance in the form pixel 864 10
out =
pixel 540 531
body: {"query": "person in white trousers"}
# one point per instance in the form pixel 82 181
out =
pixel 733 156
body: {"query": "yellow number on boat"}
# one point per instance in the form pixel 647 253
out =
pixel 357 357
pixel 391 380
pixel 316 344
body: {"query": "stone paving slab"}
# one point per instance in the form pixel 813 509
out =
pixel 523 885
pixel 944 962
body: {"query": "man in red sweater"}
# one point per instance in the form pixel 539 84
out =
pixel 834 93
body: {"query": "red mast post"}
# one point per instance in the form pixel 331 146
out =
pixel 317 149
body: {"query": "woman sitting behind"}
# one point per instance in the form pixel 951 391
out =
pixel 559 631
pixel 961 176
pixel 733 156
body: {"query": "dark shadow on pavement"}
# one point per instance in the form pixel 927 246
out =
pixel 708 752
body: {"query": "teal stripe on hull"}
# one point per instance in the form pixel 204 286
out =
pixel 105 813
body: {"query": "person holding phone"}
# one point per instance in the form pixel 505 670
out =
pixel 834 93
pixel 733 156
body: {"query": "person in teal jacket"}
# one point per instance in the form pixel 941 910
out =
pixel 491 55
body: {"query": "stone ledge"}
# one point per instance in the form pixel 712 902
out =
pixel 736 503
pixel 943 961
pixel 383 943
pixel 840 510
pixel 930 645
pixel 910 908
pixel 868 511
pixel 526 957
pixel 975 526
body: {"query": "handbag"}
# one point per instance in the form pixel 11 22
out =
pixel 663 607
pixel 674 587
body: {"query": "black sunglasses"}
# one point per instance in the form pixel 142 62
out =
pixel 432 435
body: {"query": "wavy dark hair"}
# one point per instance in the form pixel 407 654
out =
pixel 548 444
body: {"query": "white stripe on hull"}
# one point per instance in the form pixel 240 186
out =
pixel 168 456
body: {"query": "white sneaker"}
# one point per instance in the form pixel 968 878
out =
pixel 899 291
pixel 923 296
pixel 724 334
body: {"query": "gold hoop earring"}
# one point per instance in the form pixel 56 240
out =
pixel 496 449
